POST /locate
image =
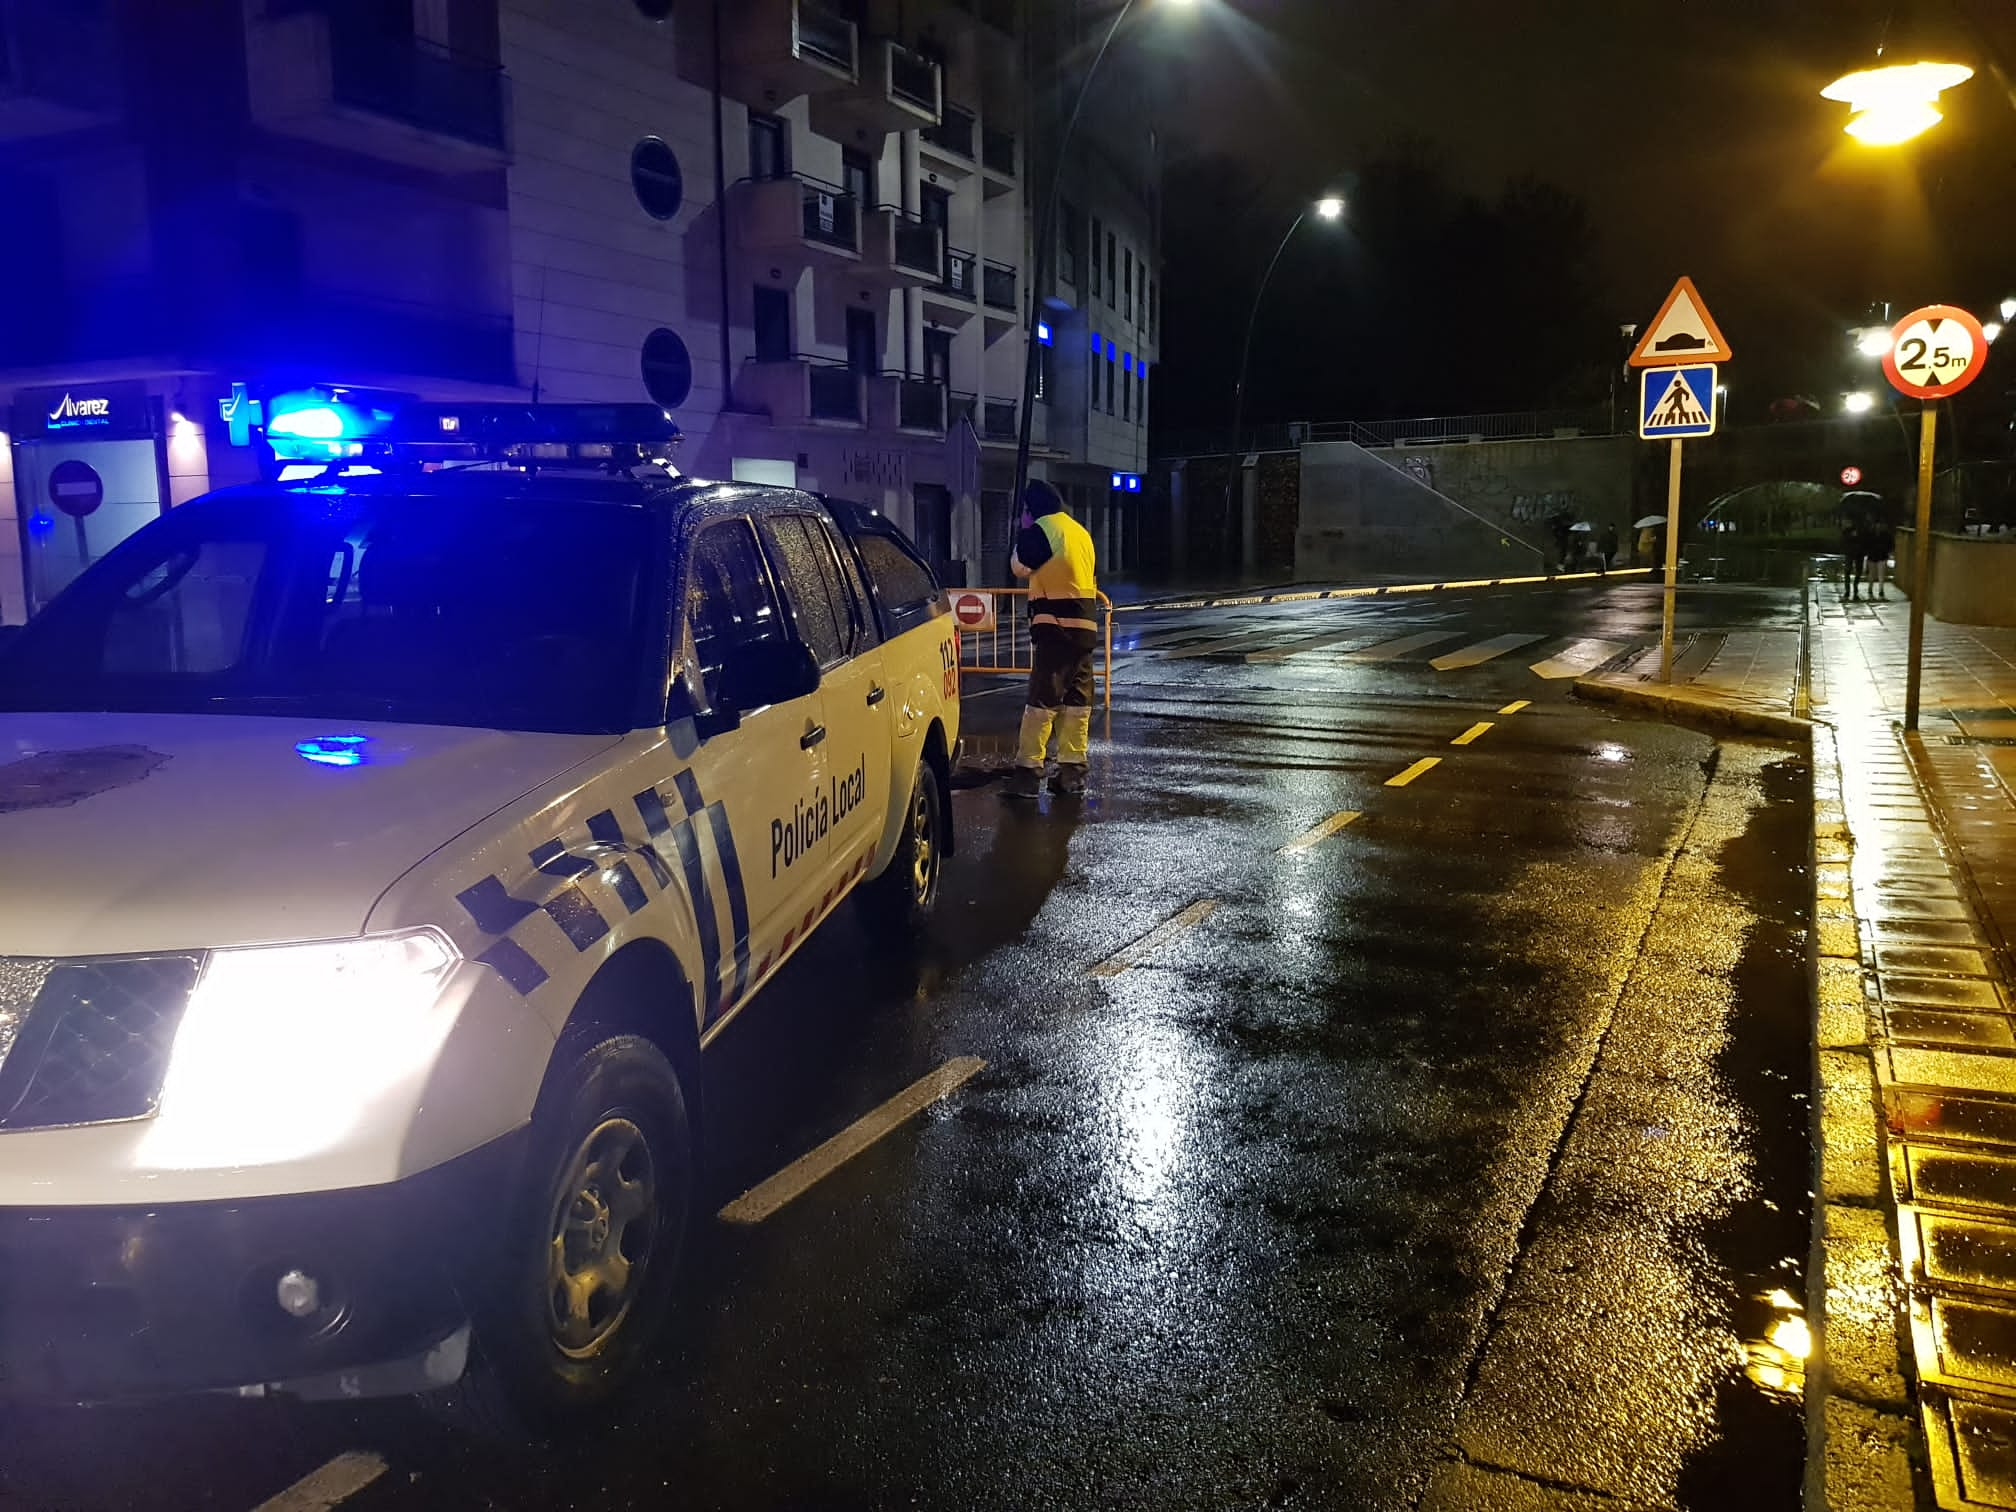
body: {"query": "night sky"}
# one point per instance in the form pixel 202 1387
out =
pixel 1692 130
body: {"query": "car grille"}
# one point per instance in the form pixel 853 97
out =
pixel 88 1041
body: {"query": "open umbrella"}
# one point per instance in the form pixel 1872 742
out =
pixel 1650 522
pixel 1582 525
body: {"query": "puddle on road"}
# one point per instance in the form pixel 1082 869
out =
pixel 1757 1453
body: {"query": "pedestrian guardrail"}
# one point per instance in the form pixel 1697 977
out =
pixel 998 643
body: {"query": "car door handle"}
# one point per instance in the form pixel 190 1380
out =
pixel 876 695
pixel 811 737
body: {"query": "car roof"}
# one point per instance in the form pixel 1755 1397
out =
pixel 692 497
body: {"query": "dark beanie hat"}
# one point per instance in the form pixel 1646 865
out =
pixel 1040 498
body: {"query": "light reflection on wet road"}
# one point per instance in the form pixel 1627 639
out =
pixel 1445 1162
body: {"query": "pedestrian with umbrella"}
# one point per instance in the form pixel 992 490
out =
pixel 1648 529
pixel 1858 515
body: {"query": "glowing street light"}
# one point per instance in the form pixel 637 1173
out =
pixel 1858 403
pixel 1329 208
pixel 2009 308
pixel 1894 103
pixel 1872 341
pixel 1992 329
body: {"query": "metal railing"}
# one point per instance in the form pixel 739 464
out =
pixel 821 32
pixel 832 392
pixel 1514 425
pixel 998 286
pixel 997 150
pixel 415 81
pixel 954 131
pixel 831 216
pixel 919 246
pixel 920 405
pixel 1006 650
pixel 961 273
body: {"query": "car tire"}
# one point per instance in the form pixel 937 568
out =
pixel 594 1246
pixel 897 905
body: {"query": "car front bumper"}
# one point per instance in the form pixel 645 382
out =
pixel 100 1304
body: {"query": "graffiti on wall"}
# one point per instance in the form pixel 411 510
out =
pixel 1540 506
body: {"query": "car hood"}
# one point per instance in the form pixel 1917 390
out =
pixel 138 832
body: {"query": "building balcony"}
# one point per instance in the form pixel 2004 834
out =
pixel 898 90
pixel 997 292
pixel 805 391
pixel 773 51
pixel 327 77
pixel 953 299
pixel 799 220
pixel 999 155
pixel 916 405
pixel 900 251
pixel 59 67
pixel 948 147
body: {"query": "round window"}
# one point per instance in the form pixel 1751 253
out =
pixel 668 368
pixel 654 174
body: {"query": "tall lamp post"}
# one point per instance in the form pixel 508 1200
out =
pixel 1046 235
pixel 1328 208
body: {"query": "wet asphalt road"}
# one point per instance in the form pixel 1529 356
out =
pixel 1451 1161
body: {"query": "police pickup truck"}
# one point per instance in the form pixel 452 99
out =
pixel 379 850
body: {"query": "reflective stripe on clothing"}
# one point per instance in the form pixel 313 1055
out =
pixel 1064 613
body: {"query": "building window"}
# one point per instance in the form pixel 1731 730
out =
pixel 1110 366
pixel 1095 254
pixel 1070 238
pixel 1154 308
pixel 1112 269
pixel 864 345
pixel 1127 281
pixel 668 369
pixel 769 147
pixel 773 324
pixel 938 357
pixel 1127 395
pixel 655 178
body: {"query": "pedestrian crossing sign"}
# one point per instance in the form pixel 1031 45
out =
pixel 1676 402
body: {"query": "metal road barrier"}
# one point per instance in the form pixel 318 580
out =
pixel 1382 590
pixel 1002 647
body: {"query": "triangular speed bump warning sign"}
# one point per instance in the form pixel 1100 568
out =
pixel 1682 332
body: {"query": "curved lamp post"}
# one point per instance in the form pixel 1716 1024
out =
pixel 1046 233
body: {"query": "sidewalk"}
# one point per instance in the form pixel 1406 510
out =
pixel 1914 1267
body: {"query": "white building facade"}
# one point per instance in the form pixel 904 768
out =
pixel 804 227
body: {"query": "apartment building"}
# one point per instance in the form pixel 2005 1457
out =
pixel 801 226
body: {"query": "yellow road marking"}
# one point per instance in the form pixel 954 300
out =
pixel 1321 832
pixel 1516 705
pixel 799 1177
pixel 1472 733
pixel 1426 763
pixel 1156 938
pixel 336 1482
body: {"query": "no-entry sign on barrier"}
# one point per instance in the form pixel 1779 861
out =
pixel 972 611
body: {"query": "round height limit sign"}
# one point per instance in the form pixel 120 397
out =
pixel 1935 352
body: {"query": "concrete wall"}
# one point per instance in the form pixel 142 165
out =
pixel 1518 484
pixel 1970 577
pixel 1361 514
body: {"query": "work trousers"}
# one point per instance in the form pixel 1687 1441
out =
pixel 1060 697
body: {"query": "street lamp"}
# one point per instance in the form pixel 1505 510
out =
pixel 2009 308
pixel 1894 103
pixel 1872 341
pixel 1858 403
pixel 1330 209
pixel 1046 235
pixel 1992 329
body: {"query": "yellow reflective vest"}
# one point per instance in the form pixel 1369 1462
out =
pixel 1058 555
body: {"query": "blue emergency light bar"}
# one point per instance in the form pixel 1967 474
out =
pixel 331 424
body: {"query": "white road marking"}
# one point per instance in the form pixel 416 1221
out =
pixel 1573 661
pixel 336 1482
pixel 809 1169
pixel 1156 938
pixel 1221 645
pixel 1483 651
pixel 1312 643
pixel 1318 833
pixel 1390 650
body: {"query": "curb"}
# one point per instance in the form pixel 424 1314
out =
pixel 1379 590
pixel 1669 703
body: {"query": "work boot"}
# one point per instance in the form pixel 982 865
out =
pixel 1069 781
pixel 1023 782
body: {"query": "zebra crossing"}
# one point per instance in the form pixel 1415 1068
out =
pixel 1443 647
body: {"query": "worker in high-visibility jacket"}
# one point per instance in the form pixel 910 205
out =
pixel 1054 552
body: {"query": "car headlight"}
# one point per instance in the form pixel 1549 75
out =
pixel 286 1048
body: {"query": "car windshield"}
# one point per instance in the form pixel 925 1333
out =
pixel 505 613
